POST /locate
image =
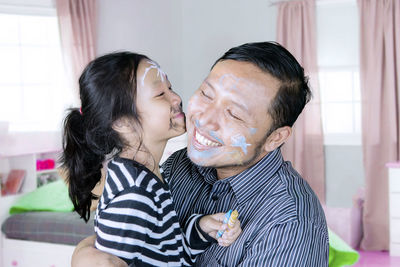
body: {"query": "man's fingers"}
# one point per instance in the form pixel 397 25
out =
pixel 223 242
pixel 231 234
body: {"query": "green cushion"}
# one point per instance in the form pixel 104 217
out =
pixel 49 197
pixel 340 254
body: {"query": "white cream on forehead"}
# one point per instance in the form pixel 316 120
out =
pixel 232 78
pixel 153 65
pixel 233 82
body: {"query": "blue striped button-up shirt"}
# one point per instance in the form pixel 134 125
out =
pixel 282 220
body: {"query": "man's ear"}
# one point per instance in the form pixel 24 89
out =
pixel 277 138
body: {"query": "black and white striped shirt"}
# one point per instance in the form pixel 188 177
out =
pixel 136 221
pixel 282 220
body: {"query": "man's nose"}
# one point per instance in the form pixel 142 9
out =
pixel 209 118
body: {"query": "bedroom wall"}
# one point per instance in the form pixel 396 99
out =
pixel 186 37
pixel 209 28
pixel 149 27
pixel 344 174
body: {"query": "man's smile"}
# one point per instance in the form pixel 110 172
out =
pixel 204 141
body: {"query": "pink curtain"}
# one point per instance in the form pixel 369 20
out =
pixel 296 30
pixel 380 78
pixel 77 22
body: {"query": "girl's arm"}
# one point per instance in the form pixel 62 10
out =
pixel 86 255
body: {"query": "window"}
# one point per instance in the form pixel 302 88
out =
pixel 33 91
pixel 338 60
pixel 341 104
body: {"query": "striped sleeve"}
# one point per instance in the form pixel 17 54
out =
pixel 132 229
pixel 194 241
pixel 290 245
pixel 194 238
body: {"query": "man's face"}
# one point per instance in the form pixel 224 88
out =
pixel 228 116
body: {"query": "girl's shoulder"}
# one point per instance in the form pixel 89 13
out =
pixel 128 174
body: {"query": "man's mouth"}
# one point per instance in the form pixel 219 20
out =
pixel 204 141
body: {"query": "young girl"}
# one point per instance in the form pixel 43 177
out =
pixel 128 113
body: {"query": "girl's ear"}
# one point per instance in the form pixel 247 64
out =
pixel 123 126
pixel 277 138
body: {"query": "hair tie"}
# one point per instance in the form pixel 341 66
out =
pixel 80 111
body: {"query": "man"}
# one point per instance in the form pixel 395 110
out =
pixel 236 122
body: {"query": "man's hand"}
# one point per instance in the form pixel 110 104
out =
pixel 211 224
pixel 86 255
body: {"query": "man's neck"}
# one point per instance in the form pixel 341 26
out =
pixel 223 173
pixel 229 171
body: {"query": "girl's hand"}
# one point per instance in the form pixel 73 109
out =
pixel 211 224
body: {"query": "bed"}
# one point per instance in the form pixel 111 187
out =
pixel 42 238
pixel 42 229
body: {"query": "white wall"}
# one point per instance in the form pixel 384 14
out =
pixel 150 27
pixel 344 174
pixel 211 27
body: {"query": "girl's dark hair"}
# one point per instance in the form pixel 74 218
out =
pixel 294 92
pixel 107 89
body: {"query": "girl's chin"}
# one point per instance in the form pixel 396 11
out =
pixel 178 132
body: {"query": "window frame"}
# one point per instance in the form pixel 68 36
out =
pixel 341 139
pixel 40 8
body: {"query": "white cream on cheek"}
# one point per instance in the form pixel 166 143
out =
pixel 253 131
pixel 239 140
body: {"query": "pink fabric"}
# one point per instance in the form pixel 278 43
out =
pixel 380 78
pixel 393 164
pixel 78 23
pixel 296 31
pixel 347 222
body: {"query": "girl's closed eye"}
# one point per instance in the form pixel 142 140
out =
pixel 160 94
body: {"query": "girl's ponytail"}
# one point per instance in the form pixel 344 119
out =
pixel 107 89
pixel 83 165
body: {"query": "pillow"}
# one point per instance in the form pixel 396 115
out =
pixel 49 197
pixel 340 254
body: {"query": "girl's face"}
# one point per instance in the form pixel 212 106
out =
pixel 158 105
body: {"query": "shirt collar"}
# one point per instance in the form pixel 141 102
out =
pixel 248 182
